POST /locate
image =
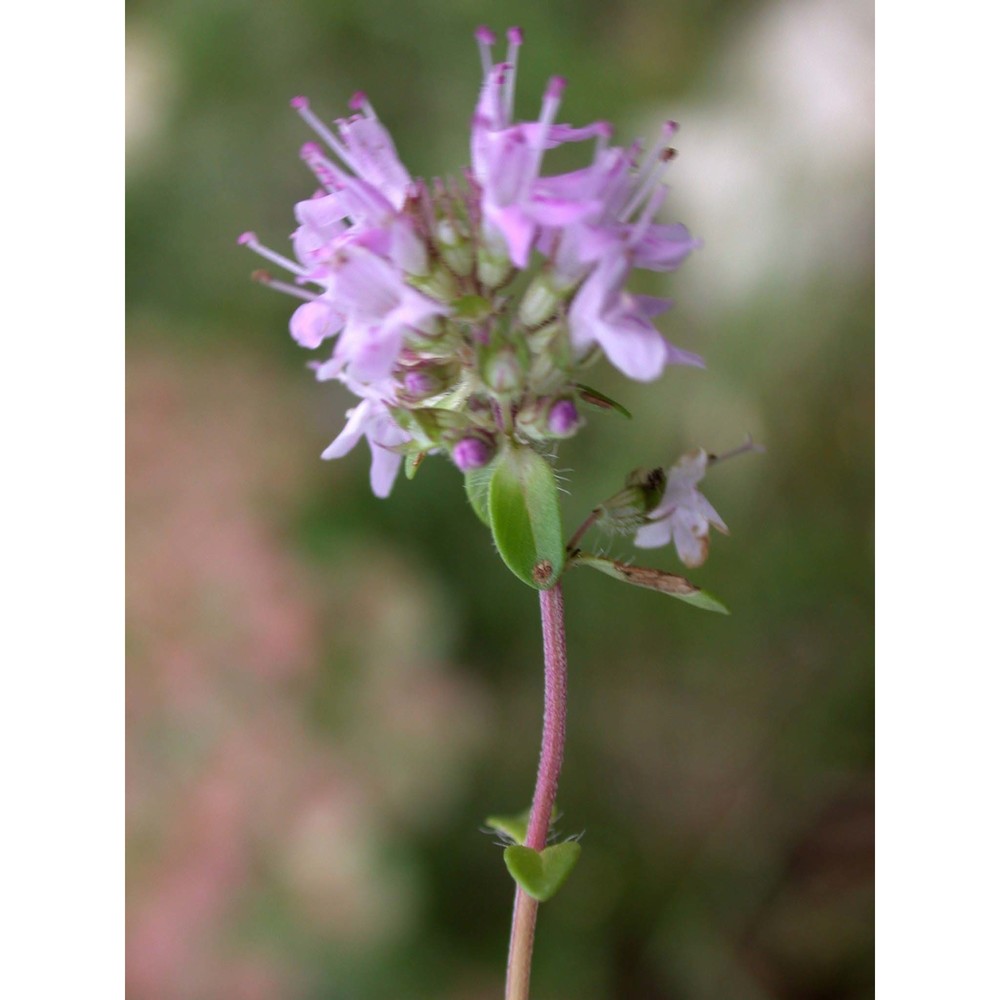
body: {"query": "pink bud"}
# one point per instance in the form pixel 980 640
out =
pixel 471 453
pixel 563 418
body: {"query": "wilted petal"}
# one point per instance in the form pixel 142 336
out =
pixel 691 540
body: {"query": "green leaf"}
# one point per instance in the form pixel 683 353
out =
pixel 477 489
pixel 515 827
pixel 596 398
pixel 524 516
pixel 654 579
pixel 541 874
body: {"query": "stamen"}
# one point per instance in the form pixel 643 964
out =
pixel 550 105
pixel 748 445
pixel 651 164
pixel 551 100
pixel 641 224
pixel 648 178
pixel 263 278
pixel 301 105
pixel 497 92
pixel 250 240
pixel 515 38
pixel 485 38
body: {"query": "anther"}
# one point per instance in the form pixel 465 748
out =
pixel 555 89
pixel 485 38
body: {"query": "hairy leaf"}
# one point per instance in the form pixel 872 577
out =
pixel 541 874
pixel 524 516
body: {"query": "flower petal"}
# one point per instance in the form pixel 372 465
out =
pixel 313 322
pixel 353 429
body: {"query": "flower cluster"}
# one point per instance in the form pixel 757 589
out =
pixel 463 311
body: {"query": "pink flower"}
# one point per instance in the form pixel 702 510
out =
pixel 683 515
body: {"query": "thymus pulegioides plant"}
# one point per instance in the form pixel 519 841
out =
pixel 465 314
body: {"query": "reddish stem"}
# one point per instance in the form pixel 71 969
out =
pixel 522 934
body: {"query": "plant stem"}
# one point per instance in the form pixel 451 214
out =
pixel 583 529
pixel 522 932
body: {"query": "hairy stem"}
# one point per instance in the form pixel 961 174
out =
pixel 522 933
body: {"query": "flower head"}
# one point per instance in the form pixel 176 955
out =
pixel 413 283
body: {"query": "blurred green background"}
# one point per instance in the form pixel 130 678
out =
pixel 328 693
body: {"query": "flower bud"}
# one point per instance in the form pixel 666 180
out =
pixel 564 420
pixel 420 378
pixel 456 249
pixel 502 371
pixel 533 419
pixel 438 283
pixel 493 266
pixel 551 353
pixel 540 301
pixel 473 452
pixel 419 384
